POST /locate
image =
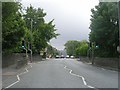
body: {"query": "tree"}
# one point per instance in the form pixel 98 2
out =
pixel 42 32
pixel 70 47
pixel 104 29
pixel 51 51
pixel 13 26
pixel 82 49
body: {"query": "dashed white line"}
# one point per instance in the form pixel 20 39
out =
pixel 83 79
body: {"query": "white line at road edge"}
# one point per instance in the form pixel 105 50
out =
pixel 83 79
pixel 18 78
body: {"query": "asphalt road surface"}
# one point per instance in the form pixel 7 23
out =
pixel 65 73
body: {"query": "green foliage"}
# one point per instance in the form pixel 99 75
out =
pixel 76 48
pixel 31 27
pixel 13 26
pixel 70 47
pixel 51 51
pixel 41 31
pixel 82 48
pixel 104 29
pixel 27 36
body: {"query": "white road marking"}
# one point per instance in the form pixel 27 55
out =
pixel 83 79
pixel 26 70
pixel 102 68
pixel 23 72
pixel 11 85
pixel 90 86
pixel 18 78
pixel 31 66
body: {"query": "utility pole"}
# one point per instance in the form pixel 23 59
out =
pixel 91 52
pixel 119 33
pixel 31 41
pixel 93 48
pixel 25 48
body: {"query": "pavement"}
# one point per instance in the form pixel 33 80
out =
pixel 59 73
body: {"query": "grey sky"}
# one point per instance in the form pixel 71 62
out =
pixel 72 18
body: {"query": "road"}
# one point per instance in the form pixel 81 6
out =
pixel 65 73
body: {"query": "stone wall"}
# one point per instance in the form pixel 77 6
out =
pixel 18 59
pixel 36 57
pixel 14 58
pixel 105 62
pixel 109 62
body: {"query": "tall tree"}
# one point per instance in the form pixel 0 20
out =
pixel 82 48
pixel 42 32
pixel 13 26
pixel 104 29
pixel 51 51
pixel 70 46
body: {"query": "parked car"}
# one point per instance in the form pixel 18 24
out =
pixel 71 56
pixel 67 56
pixel 57 56
pixel 62 56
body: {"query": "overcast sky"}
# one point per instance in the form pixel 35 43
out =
pixel 72 18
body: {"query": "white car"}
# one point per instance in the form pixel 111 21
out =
pixel 67 56
pixel 71 56
pixel 62 56
pixel 57 56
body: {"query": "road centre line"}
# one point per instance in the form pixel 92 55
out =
pixel 83 79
